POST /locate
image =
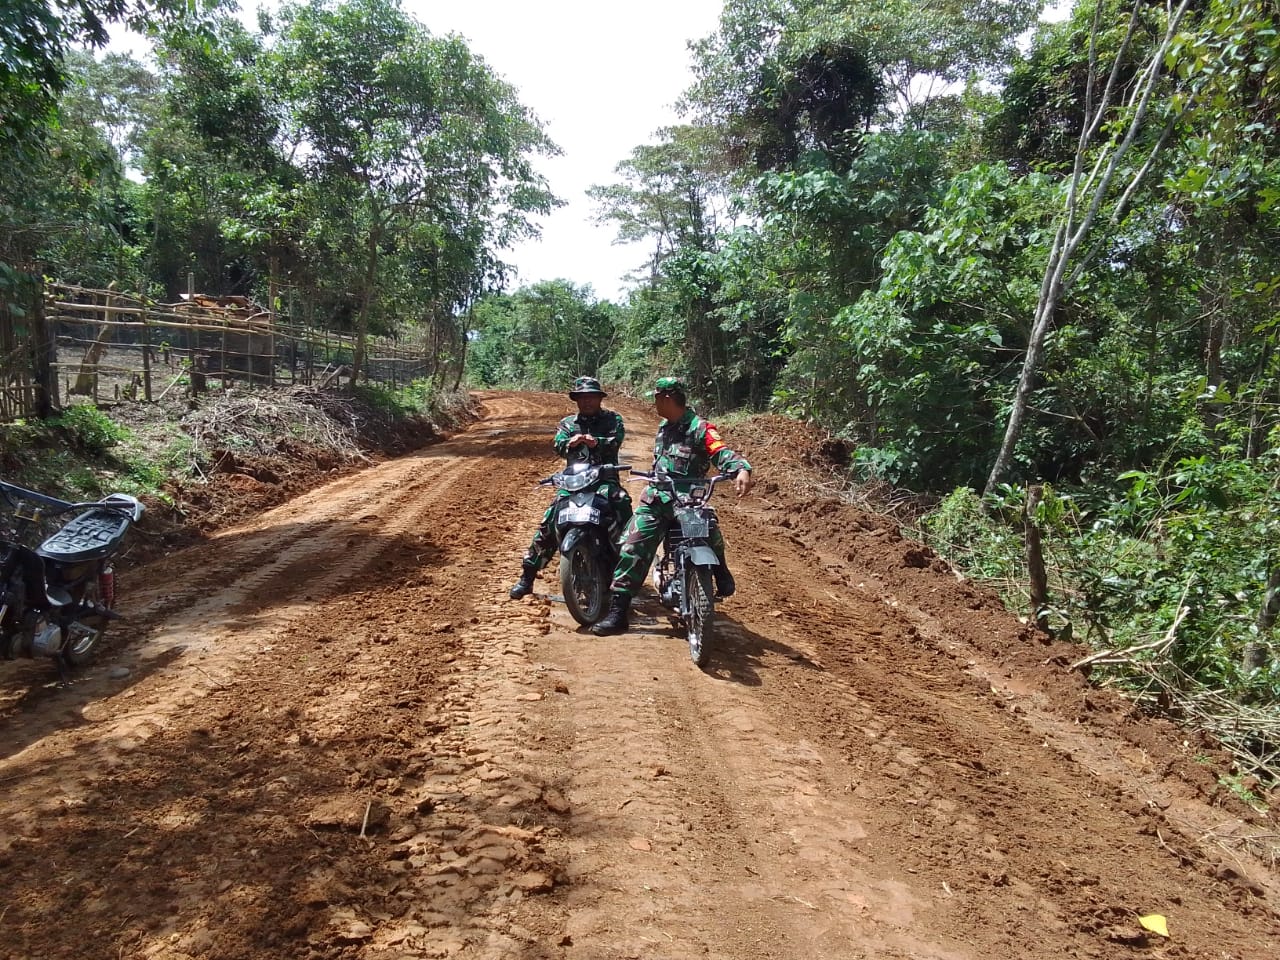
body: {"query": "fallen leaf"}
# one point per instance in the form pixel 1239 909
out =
pixel 1155 923
pixel 639 843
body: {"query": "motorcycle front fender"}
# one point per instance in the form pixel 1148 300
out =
pixel 701 555
pixel 574 536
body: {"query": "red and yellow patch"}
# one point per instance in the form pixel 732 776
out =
pixel 714 443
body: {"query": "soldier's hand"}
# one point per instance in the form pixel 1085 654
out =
pixel 577 440
pixel 743 483
pixel 590 441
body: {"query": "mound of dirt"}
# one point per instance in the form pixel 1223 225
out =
pixel 265 469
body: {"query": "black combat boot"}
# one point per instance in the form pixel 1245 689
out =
pixel 615 621
pixel 724 581
pixel 524 586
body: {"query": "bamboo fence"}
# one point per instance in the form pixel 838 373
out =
pixel 114 345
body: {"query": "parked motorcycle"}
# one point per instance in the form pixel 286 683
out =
pixel 56 599
pixel 683 572
pixel 587 530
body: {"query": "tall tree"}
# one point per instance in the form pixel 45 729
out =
pixel 1182 79
pixel 402 131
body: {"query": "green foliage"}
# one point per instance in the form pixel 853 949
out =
pixel 419 398
pixel 418 159
pixel 963 530
pixel 1239 787
pixel 1180 555
pixel 90 429
pixel 84 454
pixel 541 336
pixel 780 78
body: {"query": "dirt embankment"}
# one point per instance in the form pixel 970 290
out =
pixel 325 732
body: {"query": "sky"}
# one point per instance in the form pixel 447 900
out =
pixel 603 77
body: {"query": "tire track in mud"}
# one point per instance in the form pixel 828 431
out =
pixel 701 825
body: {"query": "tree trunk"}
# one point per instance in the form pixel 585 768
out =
pixel 1084 197
pixel 362 325
pixel 1255 654
pixel 45 354
pixel 87 376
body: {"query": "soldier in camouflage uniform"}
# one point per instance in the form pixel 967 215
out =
pixel 686 447
pixel 592 434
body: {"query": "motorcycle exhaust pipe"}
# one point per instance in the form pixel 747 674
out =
pixel 107 586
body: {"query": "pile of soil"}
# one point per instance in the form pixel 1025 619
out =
pixel 802 457
pixel 265 471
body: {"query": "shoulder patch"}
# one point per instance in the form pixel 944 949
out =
pixel 714 443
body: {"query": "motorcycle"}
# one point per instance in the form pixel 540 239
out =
pixel 683 572
pixel 56 599
pixel 587 530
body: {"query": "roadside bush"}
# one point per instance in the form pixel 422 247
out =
pixel 962 530
pixel 416 399
pixel 90 429
pixel 1168 567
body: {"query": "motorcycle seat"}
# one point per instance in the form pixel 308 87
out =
pixel 91 536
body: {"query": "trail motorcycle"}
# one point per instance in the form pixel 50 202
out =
pixel 683 572
pixel 57 598
pixel 587 530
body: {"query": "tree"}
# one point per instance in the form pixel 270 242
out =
pixel 402 133
pixel 1183 78
pixel 782 77
pixel 541 336
pixel 36 37
pixel 671 194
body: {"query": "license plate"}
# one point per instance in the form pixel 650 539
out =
pixel 579 513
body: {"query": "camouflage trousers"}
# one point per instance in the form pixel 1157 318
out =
pixel 640 543
pixel 544 543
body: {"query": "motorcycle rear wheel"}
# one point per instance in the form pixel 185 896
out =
pixel 583 583
pixel 701 613
pixel 84 635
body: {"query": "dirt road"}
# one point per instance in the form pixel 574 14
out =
pixel 327 733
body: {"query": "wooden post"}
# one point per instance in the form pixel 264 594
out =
pixel 224 351
pixel 272 292
pixel 45 350
pixel 1039 580
pixel 146 359
pixel 106 315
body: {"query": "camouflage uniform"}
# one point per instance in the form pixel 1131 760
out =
pixel 606 426
pixel 685 448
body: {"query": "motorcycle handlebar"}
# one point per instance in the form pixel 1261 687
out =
pixel 668 481
pixel 602 467
pixel 54 506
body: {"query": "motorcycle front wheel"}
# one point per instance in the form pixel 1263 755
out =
pixel 700 612
pixel 84 635
pixel 583 583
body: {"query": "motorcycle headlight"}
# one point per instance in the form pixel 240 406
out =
pixel 578 481
pixel 698 493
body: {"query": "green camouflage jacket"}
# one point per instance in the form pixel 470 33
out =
pixel 688 447
pixel 605 426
